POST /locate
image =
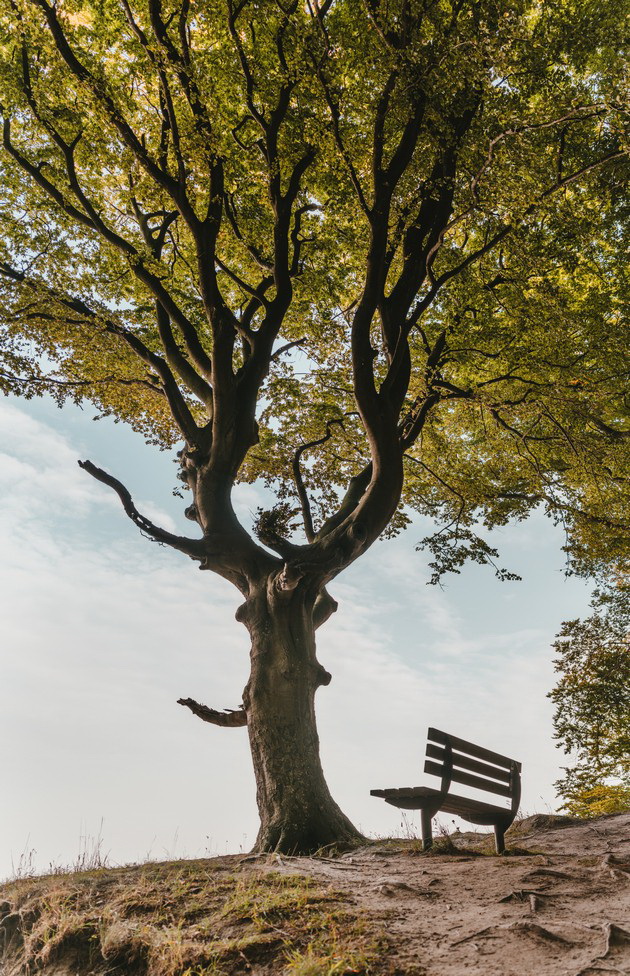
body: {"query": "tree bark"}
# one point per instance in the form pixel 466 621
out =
pixel 297 813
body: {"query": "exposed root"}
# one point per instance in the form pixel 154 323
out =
pixel 527 928
pixel 523 894
pixel 593 968
pixel 547 873
pixel 475 935
pixel 538 932
pixel 391 888
pixel 614 936
pixel 618 869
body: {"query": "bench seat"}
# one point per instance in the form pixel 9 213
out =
pixel 415 797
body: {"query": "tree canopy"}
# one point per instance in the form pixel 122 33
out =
pixel 369 252
pixel 252 161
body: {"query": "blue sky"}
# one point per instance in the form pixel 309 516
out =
pixel 104 630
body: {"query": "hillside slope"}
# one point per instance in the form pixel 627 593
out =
pixel 559 903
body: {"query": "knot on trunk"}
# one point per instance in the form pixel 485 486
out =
pixel 325 606
pixel 323 677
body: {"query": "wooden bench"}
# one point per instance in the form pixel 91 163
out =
pixel 457 761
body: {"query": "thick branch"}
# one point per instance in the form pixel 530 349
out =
pixel 228 718
pixel 194 548
pixel 415 421
pixel 613 432
pixel 356 490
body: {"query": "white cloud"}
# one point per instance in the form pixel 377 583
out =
pixel 38 470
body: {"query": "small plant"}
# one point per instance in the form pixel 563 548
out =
pixel 25 867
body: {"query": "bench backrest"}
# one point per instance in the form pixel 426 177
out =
pixel 471 765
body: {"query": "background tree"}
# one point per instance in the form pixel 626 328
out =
pixel 367 252
pixel 592 699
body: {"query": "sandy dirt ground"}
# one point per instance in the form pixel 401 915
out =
pixel 561 908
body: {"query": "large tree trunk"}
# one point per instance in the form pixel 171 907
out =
pixel 297 813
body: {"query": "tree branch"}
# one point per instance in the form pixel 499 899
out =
pixel 195 548
pixel 128 136
pixel 180 410
pixel 305 504
pixel 335 115
pixel 228 718
pixel 446 276
pixel 613 432
pixel 95 223
pixel 287 345
pixel 48 380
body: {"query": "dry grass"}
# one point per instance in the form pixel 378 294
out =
pixel 190 918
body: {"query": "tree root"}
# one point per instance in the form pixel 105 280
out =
pixel 523 894
pixel 614 936
pixel 528 928
pixel 547 873
pixel 617 868
pixel 594 968
pixel 532 928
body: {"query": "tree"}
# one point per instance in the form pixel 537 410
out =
pixel 367 252
pixel 592 699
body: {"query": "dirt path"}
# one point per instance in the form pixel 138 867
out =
pixel 563 908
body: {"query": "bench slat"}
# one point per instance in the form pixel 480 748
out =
pixel 459 805
pixel 406 791
pixel 459 776
pixel 473 765
pixel 470 748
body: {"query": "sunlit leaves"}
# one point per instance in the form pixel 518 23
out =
pixel 519 137
pixel 592 699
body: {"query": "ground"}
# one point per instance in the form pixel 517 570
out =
pixel 558 904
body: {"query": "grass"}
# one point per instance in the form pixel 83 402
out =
pixel 90 857
pixel 188 918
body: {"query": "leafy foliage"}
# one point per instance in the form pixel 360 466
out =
pixel 592 699
pixel 421 203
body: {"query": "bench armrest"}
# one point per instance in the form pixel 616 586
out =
pixel 515 786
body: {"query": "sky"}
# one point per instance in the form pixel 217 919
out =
pixel 103 630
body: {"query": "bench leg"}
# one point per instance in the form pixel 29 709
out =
pixel 499 839
pixel 425 827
